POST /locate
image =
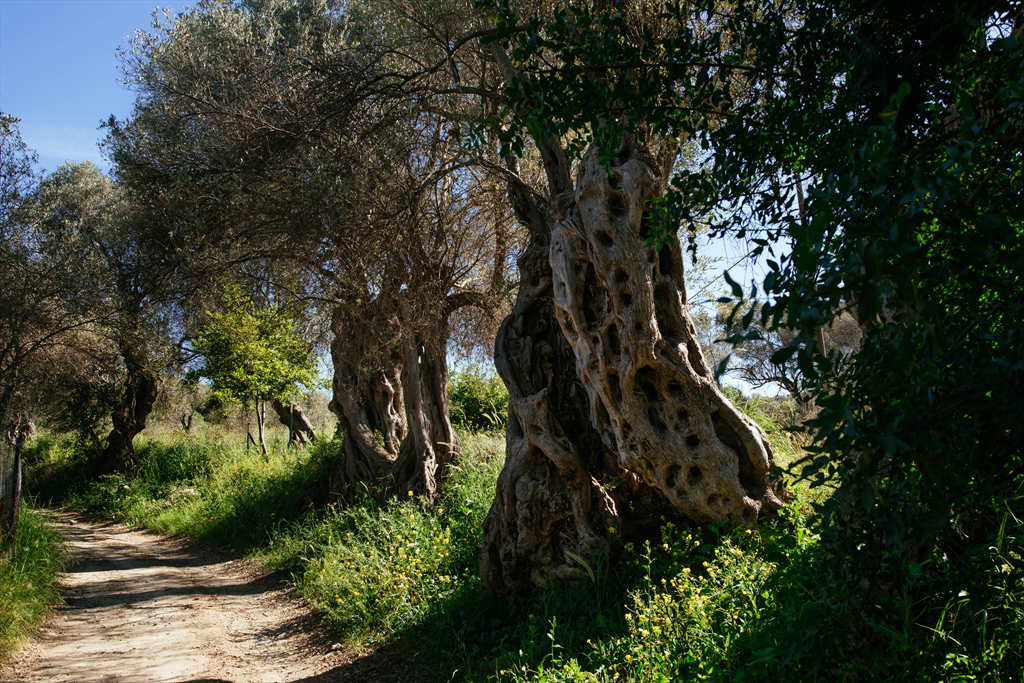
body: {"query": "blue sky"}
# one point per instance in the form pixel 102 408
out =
pixel 58 70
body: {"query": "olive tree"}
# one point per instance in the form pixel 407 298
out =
pixel 48 313
pixel 44 302
pixel 312 158
pixel 905 129
pixel 600 354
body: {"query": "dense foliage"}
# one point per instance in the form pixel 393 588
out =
pixel 872 151
pixel 253 355
pixel 477 401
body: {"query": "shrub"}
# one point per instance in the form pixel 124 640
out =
pixel 477 401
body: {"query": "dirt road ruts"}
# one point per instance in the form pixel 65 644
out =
pixel 142 607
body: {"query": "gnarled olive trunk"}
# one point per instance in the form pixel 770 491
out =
pixel 614 418
pixel 368 405
pixel 129 418
pixel 652 397
pixel 384 404
pixel 550 502
pixel 431 440
pixel 367 396
pixel 300 429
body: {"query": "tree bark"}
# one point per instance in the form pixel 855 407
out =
pixel 431 441
pixel 7 396
pixel 129 419
pixel 548 505
pixel 301 430
pixel 614 417
pixel 10 495
pixel 367 403
pixel 652 397
pixel 384 404
pixel 261 417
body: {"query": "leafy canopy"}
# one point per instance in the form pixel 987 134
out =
pixel 252 354
pixel 904 131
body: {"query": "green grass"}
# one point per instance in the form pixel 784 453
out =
pixel 695 604
pixel 477 400
pixel 28 586
pixel 381 567
pixel 199 486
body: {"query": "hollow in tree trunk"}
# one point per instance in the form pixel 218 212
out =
pixel 652 397
pixel 614 417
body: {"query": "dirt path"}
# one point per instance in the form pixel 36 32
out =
pixel 146 608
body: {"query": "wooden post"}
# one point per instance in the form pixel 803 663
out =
pixel 10 500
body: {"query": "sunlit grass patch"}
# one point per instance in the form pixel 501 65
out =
pixel 195 485
pixel 240 497
pixel 382 570
pixel 382 566
pixel 28 577
pixel 694 596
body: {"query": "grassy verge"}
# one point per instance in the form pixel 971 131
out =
pixel 28 577
pixel 696 604
pixel 201 486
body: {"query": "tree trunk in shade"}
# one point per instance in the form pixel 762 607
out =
pixel 129 418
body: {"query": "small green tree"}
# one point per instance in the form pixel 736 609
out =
pixel 253 355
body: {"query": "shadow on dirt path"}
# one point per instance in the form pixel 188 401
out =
pixel 141 607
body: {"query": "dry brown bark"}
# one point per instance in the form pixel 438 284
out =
pixel 548 501
pixel 653 399
pixel 390 364
pixel 614 417
pixel 431 441
pixel 367 389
